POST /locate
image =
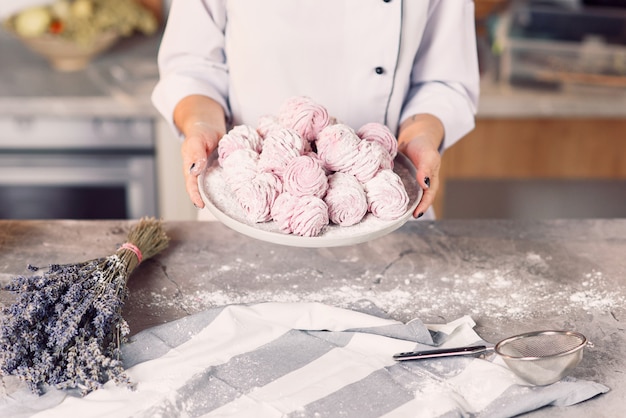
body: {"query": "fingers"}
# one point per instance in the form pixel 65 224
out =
pixel 427 160
pixel 195 151
pixel 430 185
pixel 191 184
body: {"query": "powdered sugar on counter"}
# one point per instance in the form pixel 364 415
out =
pixel 493 293
pixel 590 299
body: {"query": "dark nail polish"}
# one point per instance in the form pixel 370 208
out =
pixel 427 181
pixel 419 215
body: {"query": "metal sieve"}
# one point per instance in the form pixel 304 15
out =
pixel 540 357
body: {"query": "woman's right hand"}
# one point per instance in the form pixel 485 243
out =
pixel 202 122
pixel 198 145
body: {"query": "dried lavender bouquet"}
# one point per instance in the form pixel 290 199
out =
pixel 65 327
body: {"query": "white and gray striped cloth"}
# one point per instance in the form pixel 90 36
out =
pixel 303 360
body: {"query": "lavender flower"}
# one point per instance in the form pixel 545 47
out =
pixel 65 327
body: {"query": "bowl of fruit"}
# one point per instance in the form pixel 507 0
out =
pixel 70 33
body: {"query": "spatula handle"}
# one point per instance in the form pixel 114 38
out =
pixel 444 352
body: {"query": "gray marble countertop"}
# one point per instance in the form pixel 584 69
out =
pixel 509 276
pixel 119 83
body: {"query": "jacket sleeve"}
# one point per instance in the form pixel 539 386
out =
pixel 191 56
pixel 445 80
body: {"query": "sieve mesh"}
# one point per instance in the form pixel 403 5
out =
pixel 544 344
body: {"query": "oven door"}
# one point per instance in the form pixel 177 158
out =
pixel 77 186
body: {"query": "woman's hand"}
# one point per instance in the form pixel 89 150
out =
pixel 419 139
pixel 200 141
pixel 202 122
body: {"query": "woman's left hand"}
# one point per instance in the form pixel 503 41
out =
pixel 419 139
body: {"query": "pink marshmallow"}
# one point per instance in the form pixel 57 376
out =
pixel 386 196
pixel 346 199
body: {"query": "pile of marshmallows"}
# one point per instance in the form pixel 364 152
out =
pixel 303 170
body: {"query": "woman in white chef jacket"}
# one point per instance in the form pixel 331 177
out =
pixel 410 64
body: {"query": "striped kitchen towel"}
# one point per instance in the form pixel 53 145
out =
pixel 302 360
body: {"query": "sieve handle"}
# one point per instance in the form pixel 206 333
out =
pixel 444 352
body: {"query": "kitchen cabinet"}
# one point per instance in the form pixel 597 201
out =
pixel 535 137
pixel 534 153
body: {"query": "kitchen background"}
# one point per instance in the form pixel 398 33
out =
pixel 550 139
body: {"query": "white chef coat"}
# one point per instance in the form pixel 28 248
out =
pixel 364 60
